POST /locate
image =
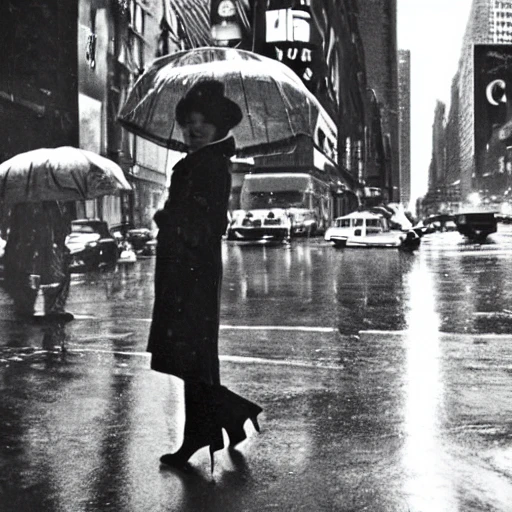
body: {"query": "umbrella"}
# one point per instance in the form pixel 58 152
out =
pixel 276 105
pixel 59 174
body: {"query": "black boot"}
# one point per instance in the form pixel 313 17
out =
pixel 201 426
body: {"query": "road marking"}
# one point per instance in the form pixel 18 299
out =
pixel 225 358
pixel 445 334
pixel 228 327
pixel 301 328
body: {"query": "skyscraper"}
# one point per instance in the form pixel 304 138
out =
pixel 404 118
pixel 378 28
pixel 490 22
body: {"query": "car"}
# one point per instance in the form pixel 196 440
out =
pixel 91 245
pixel 3 243
pixel 368 229
pixel 142 241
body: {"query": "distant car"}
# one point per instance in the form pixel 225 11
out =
pixel 2 252
pixel 91 245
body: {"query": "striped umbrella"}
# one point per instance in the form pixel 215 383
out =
pixel 277 107
pixel 59 174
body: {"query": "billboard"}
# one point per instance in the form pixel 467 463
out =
pixel 291 37
pixel 492 118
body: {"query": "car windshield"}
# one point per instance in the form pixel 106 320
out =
pixel 278 199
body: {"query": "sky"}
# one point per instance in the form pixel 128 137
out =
pixel 432 30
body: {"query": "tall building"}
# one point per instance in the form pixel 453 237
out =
pixel 378 29
pixel 490 22
pixel 452 179
pixel 437 169
pixel 404 102
pixel 434 202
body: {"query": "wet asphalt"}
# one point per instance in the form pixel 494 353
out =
pixel 385 379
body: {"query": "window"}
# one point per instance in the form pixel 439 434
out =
pixel 137 33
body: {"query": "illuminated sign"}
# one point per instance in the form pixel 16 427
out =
pixel 493 115
pixel 291 38
pixel 288 25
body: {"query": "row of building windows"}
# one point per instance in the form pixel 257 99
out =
pixel 503 14
pixel 501 24
pixel 500 4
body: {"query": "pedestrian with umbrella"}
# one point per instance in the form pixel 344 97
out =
pixel 36 256
pixel 190 101
pixel 184 332
pixel 37 187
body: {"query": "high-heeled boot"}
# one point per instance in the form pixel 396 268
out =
pixel 202 427
pixel 234 411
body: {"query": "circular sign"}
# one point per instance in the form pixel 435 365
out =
pixel 226 9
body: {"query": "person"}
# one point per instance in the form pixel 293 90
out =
pixel 36 257
pixel 183 339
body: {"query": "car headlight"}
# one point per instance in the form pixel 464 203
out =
pixel 91 244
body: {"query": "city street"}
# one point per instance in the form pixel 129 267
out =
pixel 385 378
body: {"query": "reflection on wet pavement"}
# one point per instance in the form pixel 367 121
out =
pixel 384 376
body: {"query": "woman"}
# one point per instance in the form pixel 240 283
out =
pixel 183 339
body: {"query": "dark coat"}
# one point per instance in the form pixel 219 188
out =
pixel 183 338
pixel 36 243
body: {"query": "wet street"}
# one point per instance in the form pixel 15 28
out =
pixel 385 379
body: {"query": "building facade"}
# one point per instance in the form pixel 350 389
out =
pixel 117 39
pixel 320 42
pixel 66 69
pixel 434 199
pixel 378 29
pixel 39 78
pixel 331 64
pixel 489 23
pixel 404 103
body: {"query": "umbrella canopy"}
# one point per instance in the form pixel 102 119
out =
pixel 277 107
pixel 59 174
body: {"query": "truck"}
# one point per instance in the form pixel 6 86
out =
pixel 279 205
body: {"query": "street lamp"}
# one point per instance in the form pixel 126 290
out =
pixel 475 199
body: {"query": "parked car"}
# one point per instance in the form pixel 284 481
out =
pixel 91 245
pixel 142 241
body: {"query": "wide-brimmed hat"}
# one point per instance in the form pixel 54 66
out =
pixel 207 97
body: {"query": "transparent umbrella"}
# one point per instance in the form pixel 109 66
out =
pixel 277 107
pixel 59 174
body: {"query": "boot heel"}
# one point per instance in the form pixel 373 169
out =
pixel 255 423
pixel 212 458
